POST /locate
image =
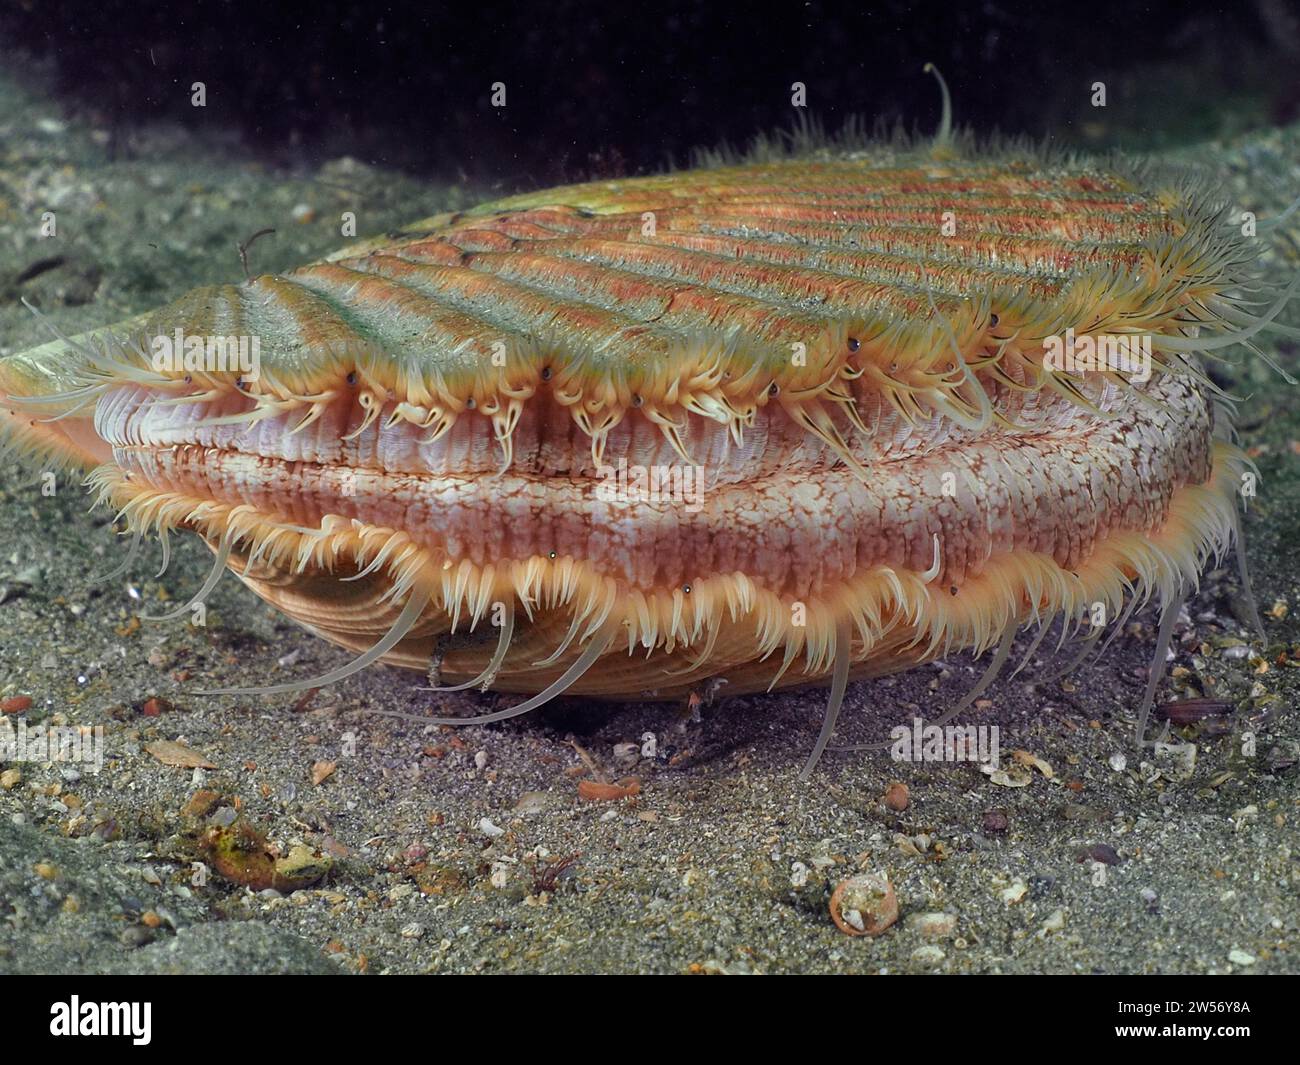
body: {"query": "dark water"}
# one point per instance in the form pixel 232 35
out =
pixel 602 89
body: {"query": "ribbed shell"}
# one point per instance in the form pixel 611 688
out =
pixel 617 279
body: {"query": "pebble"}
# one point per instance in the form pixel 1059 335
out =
pixel 995 822
pixel 1118 762
pixel 490 830
pixel 532 802
pixel 1055 922
pixel 1240 957
pixel 15 704
pixel 1100 852
pixel 1013 894
pixel 896 796
pixel 225 817
pixel 933 925
pixel 928 955
pixel 136 935
pixel 10 779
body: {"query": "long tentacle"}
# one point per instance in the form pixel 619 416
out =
pixel 571 676
pixel 988 677
pixel 493 667
pixel 406 620
pixel 214 576
pixel 126 563
pixel 1243 571
pixel 1169 614
pixel 839 683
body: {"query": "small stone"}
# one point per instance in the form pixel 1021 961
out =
pixel 136 936
pixel 1013 894
pixel 10 779
pixel 490 830
pixel 1055 922
pixel 322 771
pixel 532 802
pixel 1118 761
pixel 45 870
pixel 995 823
pixel 1100 852
pixel 1240 957
pixel 15 704
pixel 933 925
pixel 225 816
pixel 864 905
pixel 896 796
pixel 303 213
pixel 928 955
pixel 150 919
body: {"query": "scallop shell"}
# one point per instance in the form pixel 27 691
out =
pixel 848 353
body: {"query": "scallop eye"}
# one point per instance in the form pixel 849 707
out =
pixel 352 377
pixel 853 344
pixel 993 319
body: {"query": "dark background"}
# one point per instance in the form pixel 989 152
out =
pixel 599 89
